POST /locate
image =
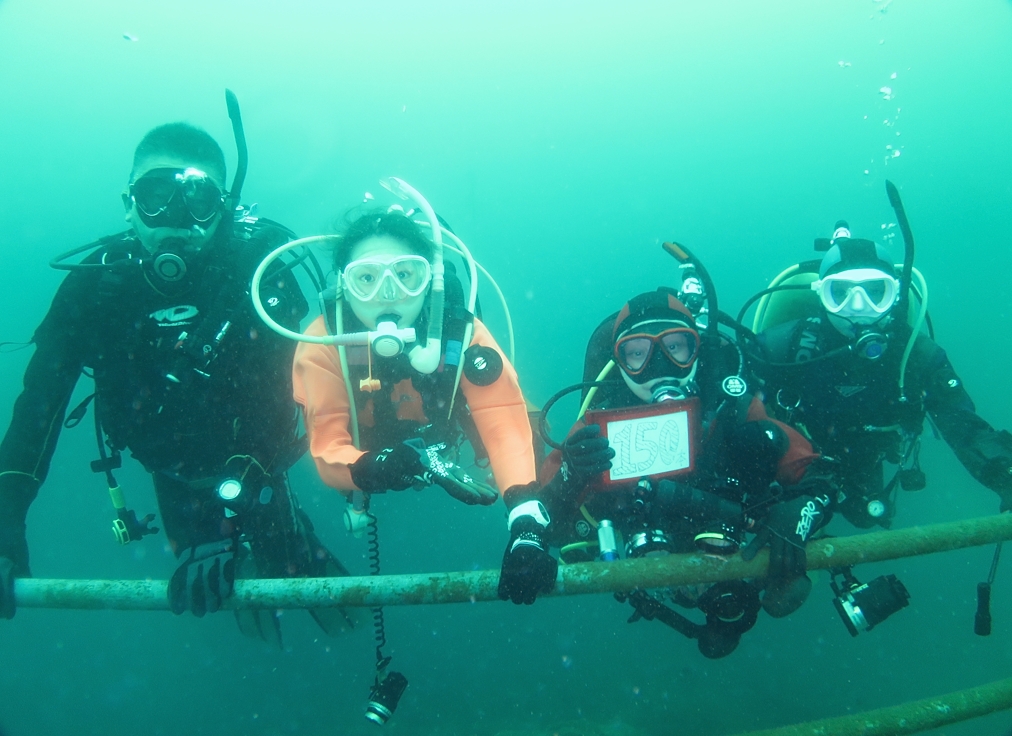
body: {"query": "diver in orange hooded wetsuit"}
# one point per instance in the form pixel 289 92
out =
pixel 386 274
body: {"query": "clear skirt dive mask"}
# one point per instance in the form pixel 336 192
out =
pixel 176 198
pixel 858 294
pixel 387 278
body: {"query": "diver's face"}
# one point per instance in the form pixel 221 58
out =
pixel 388 304
pixel 186 240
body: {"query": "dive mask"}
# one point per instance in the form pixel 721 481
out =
pixel 176 198
pixel 640 353
pixel 389 278
pixel 861 295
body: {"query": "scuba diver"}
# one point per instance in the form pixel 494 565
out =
pixel 838 357
pixel 185 379
pixel 413 408
pixel 396 374
pixel 674 456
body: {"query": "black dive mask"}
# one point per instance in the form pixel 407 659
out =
pixel 181 199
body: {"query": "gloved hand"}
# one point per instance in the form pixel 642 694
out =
pixel 451 477
pixel 392 469
pixel 585 453
pixel 7 604
pixel 527 567
pixel 787 528
pixel 204 579
pixel 997 475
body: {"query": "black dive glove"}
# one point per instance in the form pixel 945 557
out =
pixel 204 579
pixel 392 469
pixel 787 528
pixel 527 567
pixel 585 454
pixel 7 603
pixel 997 475
pixel 452 478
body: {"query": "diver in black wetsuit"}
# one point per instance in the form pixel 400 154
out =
pixel 841 375
pixel 186 378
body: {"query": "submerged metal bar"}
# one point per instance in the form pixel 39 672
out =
pixel 464 587
pixel 913 717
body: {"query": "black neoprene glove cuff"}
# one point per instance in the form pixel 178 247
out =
pixel 390 469
pixel 7 606
pixel 997 475
pixel 17 491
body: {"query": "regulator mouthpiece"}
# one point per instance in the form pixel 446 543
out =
pixel 386 340
pixel 169 267
pixel 669 391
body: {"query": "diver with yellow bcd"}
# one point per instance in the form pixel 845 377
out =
pixel 843 349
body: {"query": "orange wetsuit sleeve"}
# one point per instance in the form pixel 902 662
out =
pixel 318 387
pixel 500 415
pixel 800 452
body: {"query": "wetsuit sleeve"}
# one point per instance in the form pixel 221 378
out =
pixel 798 453
pixel 984 451
pixel 28 446
pixel 500 415
pixel 318 387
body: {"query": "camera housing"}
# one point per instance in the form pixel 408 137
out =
pixel 866 605
pixel 384 696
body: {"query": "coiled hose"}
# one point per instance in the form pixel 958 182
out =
pixel 379 627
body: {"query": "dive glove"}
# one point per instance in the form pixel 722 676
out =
pixel 451 477
pixel 787 528
pixel 7 603
pixel 204 579
pixel 527 567
pixel 392 469
pixel 997 475
pixel 585 454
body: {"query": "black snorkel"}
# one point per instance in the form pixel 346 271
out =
pixel 903 303
pixel 235 193
pixel 685 257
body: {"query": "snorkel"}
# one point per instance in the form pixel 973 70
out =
pixel 235 193
pixel 906 277
pixel 425 359
pixel 387 340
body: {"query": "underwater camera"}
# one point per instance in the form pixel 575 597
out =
pixel 384 696
pixel 866 605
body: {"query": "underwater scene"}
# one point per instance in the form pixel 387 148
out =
pixel 584 153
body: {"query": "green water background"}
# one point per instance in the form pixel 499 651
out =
pixel 564 141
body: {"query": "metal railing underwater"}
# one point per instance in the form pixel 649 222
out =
pixel 589 578
pixel 480 585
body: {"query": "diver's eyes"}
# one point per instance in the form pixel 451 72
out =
pixel 635 352
pixel 875 290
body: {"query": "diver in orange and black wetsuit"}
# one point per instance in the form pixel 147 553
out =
pixel 386 267
pixel 383 417
pixel 675 456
